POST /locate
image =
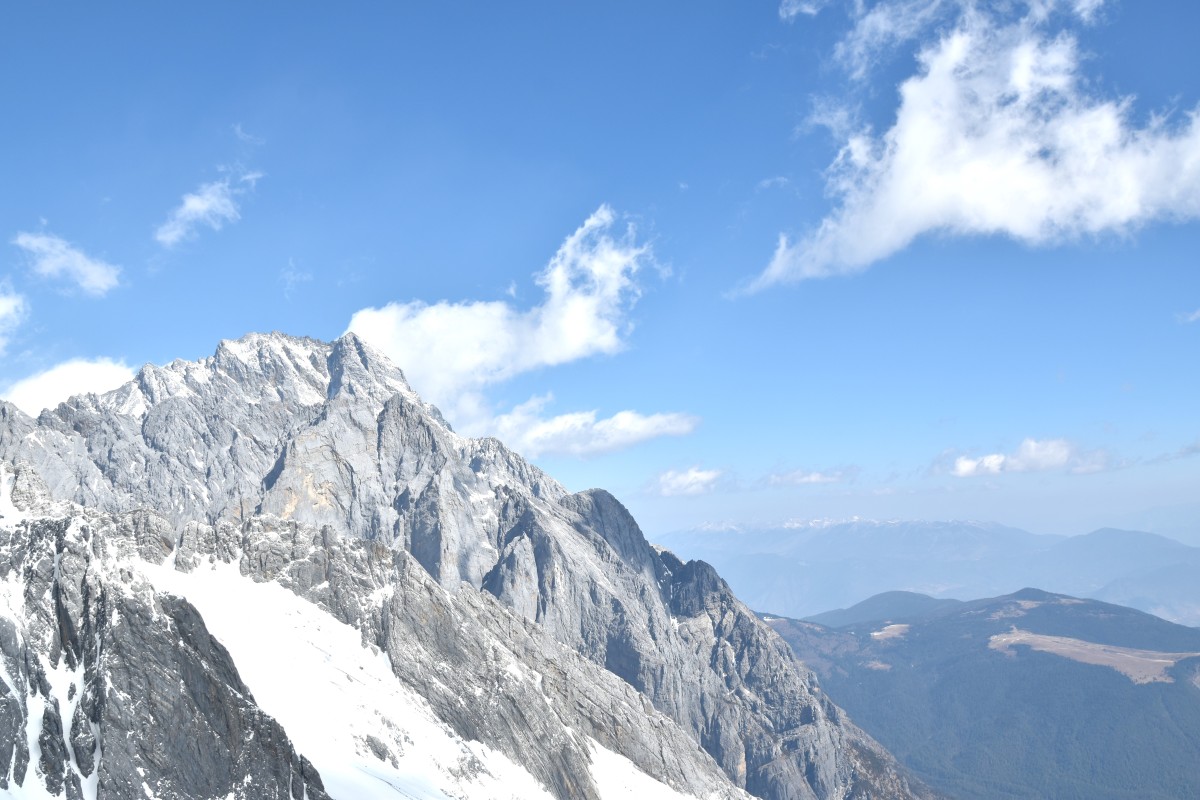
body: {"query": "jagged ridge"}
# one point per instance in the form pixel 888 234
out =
pixel 304 450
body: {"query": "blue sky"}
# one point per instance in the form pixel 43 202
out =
pixel 736 262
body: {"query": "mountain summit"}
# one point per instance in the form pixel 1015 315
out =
pixel 278 573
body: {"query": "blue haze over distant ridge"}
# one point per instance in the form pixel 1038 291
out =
pixel 801 571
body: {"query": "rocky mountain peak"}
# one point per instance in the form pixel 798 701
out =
pixel 315 467
pixel 265 368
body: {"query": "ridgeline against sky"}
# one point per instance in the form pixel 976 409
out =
pixel 735 262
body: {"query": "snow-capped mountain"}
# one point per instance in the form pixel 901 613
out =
pixel 277 573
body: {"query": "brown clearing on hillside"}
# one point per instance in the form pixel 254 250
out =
pixel 1140 666
pixel 891 632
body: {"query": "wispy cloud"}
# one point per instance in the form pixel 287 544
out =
pixel 212 205
pixel 53 257
pixel 998 133
pixel 776 182
pixel 1187 451
pixel 1192 317
pixel 291 278
pixel 12 313
pixel 1087 9
pixel 582 433
pixel 244 136
pixel 802 477
pixel 50 387
pixel 1033 455
pixel 691 481
pixel 881 27
pixel 790 9
pixel 832 114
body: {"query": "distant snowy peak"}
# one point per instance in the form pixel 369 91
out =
pixel 835 524
pixel 894 524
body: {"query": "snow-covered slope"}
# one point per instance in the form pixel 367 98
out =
pixel 285 496
pixel 370 737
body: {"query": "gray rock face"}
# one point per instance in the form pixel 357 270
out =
pixel 113 690
pixel 315 466
pixel 449 646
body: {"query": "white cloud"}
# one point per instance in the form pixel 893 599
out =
pixel 790 9
pixel 56 258
pixel 883 26
pixel 448 350
pixel 12 312
pixel 1087 9
pixel 1038 456
pixel 1193 317
pixel 1032 455
pixel 833 114
pixel 292 278
pixel 996 134
pixel 451 351
pixel 212 205
pixel 692 481
pixel 244 136
pixel 777 182
pixel 580 433
pixel 802 477
pixel 78 376
pixel 993 464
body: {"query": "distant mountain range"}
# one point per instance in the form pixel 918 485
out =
pixel 894 606
pixel 801 571
pixel 1029 695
